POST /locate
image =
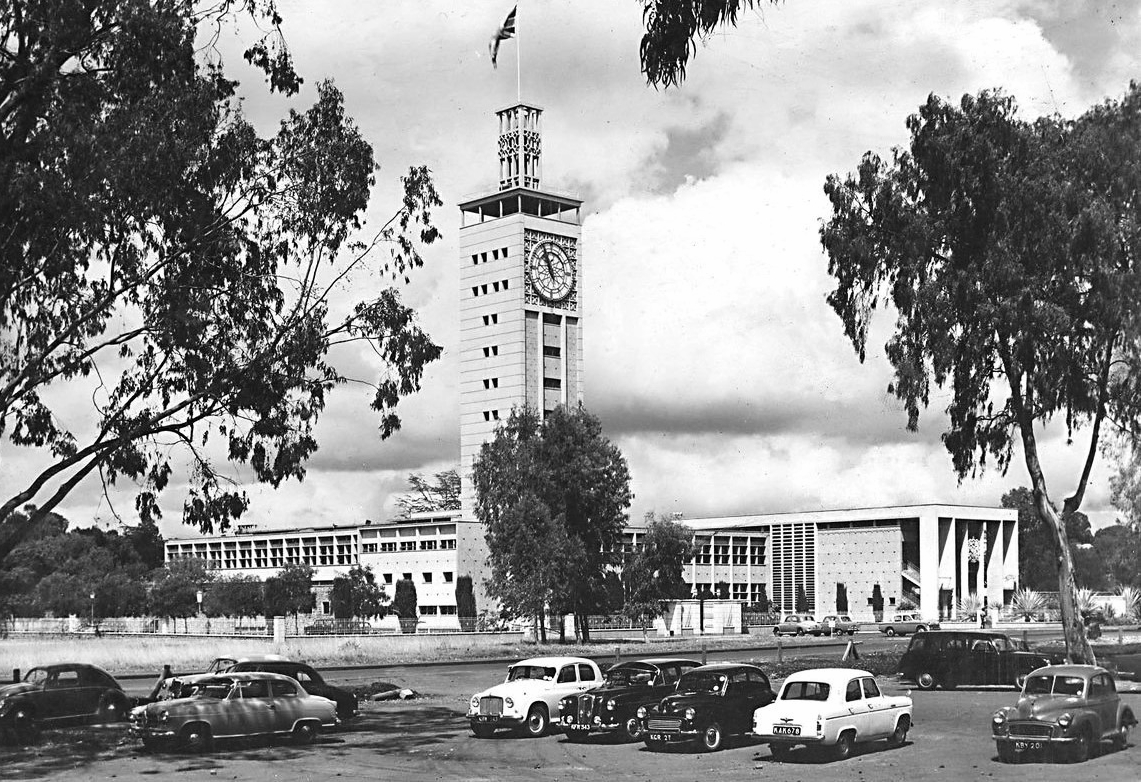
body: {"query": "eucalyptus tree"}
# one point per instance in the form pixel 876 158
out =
pixel 1006 251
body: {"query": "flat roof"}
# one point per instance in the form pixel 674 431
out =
pixel 969 512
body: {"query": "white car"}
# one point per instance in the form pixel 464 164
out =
pixel 530 695
pixel 831 707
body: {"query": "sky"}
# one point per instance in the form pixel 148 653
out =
pixel 711 356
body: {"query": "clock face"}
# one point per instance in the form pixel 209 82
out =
pixel 552 272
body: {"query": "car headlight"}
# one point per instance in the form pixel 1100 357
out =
pixel 1065 720
pixel 163 715
pixel 642 712
pixel 611 705
pixel 999 718
pixel 475 701
pixel 508 703
pixel 690 714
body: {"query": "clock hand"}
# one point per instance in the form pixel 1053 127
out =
pixel 547 260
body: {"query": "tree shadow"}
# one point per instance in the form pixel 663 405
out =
pixel 811 756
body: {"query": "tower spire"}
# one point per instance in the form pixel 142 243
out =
pixel 520 146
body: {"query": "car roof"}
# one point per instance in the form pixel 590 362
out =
pixel 715 667
pixel 665 660
pixel 546 662
pixel 827 675
pixel 1071 669
pixel 245 676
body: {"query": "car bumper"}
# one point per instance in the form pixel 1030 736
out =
pixel 150 733
pixel 594 727
pixel 810 738
pixel 496 720
pixel 670 736
pixel 1035 742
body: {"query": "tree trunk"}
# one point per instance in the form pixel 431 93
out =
pixel 584 624
pixel 541 619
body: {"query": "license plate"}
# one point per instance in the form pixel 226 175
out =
pixel 786 730
pixel 662 737
pixel 1022 746
pixel 578 727
pixel 488 718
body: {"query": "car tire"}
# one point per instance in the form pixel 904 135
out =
pixel 845 743
pixel 899 736
pixel 537 722
pixel 1006 753
pixel 926 680
pixel 712 737
pixel 113 708
pixel 632 729
pixel 781 751
pixel 889 631
pixel 776 632
pixel 196 737
pixel 921 629
pixel 305 732
pixel 1121 735
pixel 1082 748
pixel 481 730
pixel 800 631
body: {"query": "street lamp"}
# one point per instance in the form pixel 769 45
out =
pixel 199 596
pixel 92 596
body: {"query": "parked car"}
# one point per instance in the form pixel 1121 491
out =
pixel 613 707
pixel 530 695
pixel 835 708
pixel 55 694
pixel 347 705
pixel 906 624
pixel 233 705
pixel 340 627
pixel 1070 709
pixel 797 624
pixel 839 624
pixel 948 658
pixel 178 685
pixel 710 703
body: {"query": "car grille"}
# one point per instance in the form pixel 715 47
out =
pixel 584 714
pixel 1036 729
pixel 140 720
pixel 663 725
pixel 490 705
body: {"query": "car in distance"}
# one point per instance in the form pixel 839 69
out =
pixel 234 705
pixel 710 703
pixel 530 695
pixel 313 683
pixel 839 624
pixel 1069 709
pixel 833 708
pixel 56 694
pixel 613 707
pixel 906 624
pixel 340 627
pixel 797 624
pixel 948 658
pixel 176 685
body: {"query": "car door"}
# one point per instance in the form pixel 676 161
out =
pixel 881 720
pixel 858 713
pixel 566 683
pixel 288 703
pixel 984 663
pixel 251 709
pixel 1103 700
pixel 62 696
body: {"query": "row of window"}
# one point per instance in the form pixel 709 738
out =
pixel 275 560
pixel 478 258
pixel 491 382
pixel 389 546
pixel 738 555
pixel 425 578
pixel 491 320
pixel 744 592
pixel 490 415
pixel 491 350
pixel 494 287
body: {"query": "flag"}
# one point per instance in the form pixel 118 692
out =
pixel 505 31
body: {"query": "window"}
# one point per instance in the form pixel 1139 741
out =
pixel 483 288
pixel 447 576
pixel 255 688
pixel 407 576
pixel 475 259
pixel 853 692
pixel 428 545
pixel 388 578
pixel 566 674
pixel 407 545
pixel 806 691
pixel 368 548
pixel 506 284
pixel 325 607
pixel 585 673
pixel 495 255
pixel 448 610
pixel 475 290
pixel 483 257
pixel 282 689
pixel 552 382
pixel 388 546
pixel 553 351
pixel 504 251
pixel 495 287
pixel 427 578
pixel 489 320
pixel 427 610
pixel 448 544
pixel 871 689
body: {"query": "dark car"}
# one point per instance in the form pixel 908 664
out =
pixel 312 681
pixel 613 707
pixel 340 627
pixel 948 658
pixel 710 703
pixel 54 694
pixel 1068 709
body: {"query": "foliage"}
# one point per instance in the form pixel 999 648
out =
pixel 801 599
pixel 558 488
pixel 175 590
pixel 465 598
pixel 721 589
pixel 763 603
pixel 653 573
pixel 1037 558
pixel 1027 603
pixel 237 595
pixel 289 592
pixel 440 493
pixel 404 603
pixel 1006 250
pixel 841 598
pixel 163 261
pixel 356 594
pixel 969 605
pixel 1131 601
pixel 674 28
pixel 877 599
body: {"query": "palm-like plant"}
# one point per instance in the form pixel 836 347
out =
pixel 969 606
pixel 1084 601
pixel 1028 603
pixel 1130 601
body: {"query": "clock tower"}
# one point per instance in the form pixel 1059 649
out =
pixel 520 294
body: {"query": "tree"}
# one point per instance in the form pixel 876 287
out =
pixel 653 575
pixel 1006 249
pixel 356 594
pixel 164 261
pixel 764 605
pixel 404 604
pixel 236 596
pixel 841 598
pixel 440 493
pixel 466 608
pixel 877 602
pixel 175 589
pixel 801 599
pixel 289 592
pixel 674 28
pixel 1036 556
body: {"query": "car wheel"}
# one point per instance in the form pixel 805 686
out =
pixel 633 729
pixel 851 632
pixel 899 735
pixel 537 721
pixel 889 631
pixel 712 738
pixel 112 709
pixel 800 631
pixel 305 732
pixel 844 745
pixel 1006 753
pixel 1121 736
pixel 482 730
pixel 196 737
pixel 24 726
pixel 776 632
pixel 781 751
pixel 926 680
pixel 921 629
pixel 1082 748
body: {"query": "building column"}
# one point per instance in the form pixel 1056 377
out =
pixel 963 587
pixel 928 567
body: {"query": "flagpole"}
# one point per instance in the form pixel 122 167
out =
pixel 518 58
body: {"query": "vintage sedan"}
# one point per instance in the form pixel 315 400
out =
pixel 710 703
pixel 833 708
pixel 948 658
pixel 613 707
pixel 530 695
pixel 56 694
pixel 234 705
pixel 798 624
pixel 347 705
pixel 906 624
pixel 177 685
pixel 1069 709
pixel 839 624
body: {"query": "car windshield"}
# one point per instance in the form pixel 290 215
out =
pixel 701 682
pixel 36 676
pixel 530 672
pixel 628 677
pixel 805 691
pixel 1055 685
pixel 215 690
